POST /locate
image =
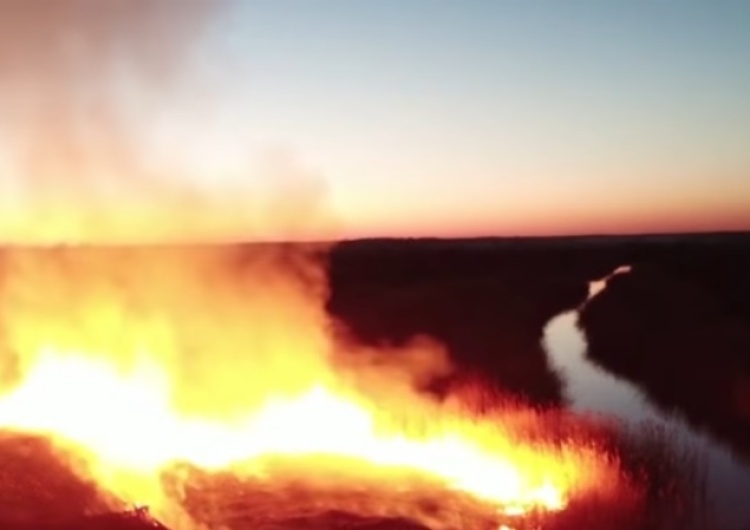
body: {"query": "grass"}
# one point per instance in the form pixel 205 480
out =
pixel 669 481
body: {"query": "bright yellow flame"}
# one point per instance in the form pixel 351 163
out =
pixel 108 380
pixel 129 423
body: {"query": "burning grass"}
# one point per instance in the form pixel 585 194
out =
pixel 209 385
pixel 448 467
pixel 659 489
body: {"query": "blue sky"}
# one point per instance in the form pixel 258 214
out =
pixel 469 111
pixel 510 117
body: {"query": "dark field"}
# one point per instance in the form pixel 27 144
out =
pixel 677 326
pixel 687 302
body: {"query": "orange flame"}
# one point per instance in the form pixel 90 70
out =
pixel 146 358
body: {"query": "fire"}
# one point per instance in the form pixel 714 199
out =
pixel 140 360
pixel 130 424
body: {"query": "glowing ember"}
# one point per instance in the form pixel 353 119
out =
pixel 102 367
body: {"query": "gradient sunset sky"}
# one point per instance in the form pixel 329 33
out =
pixel 494 117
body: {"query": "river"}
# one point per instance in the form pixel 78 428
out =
pixel 590 389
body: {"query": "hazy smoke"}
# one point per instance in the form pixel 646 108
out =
pixel 230 326
pixel 79 83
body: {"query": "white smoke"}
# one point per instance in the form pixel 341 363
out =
pixel 80 84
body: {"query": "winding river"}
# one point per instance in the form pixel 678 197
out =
pixel 591 389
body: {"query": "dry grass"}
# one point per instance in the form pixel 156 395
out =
pixel 670 491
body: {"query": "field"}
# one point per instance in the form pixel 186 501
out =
pixel 678 327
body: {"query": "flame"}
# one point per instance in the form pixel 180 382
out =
pixel 143 359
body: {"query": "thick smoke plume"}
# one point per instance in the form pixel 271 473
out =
pixel 80 82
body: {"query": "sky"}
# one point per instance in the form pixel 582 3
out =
pixel 444 118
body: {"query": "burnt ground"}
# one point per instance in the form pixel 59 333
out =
pixel 678 327
pixel 113 521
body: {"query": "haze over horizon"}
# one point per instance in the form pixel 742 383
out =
pixel 340 119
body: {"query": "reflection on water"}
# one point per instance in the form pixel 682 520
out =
pixel 587 387
pixel 598 286
pixel 592 390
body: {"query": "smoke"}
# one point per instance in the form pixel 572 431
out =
pixel 81 85
pixel 229 326
pixel 393 375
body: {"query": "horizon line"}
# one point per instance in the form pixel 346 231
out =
pixel 365 239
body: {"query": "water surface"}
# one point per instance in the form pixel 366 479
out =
pixel 590 389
